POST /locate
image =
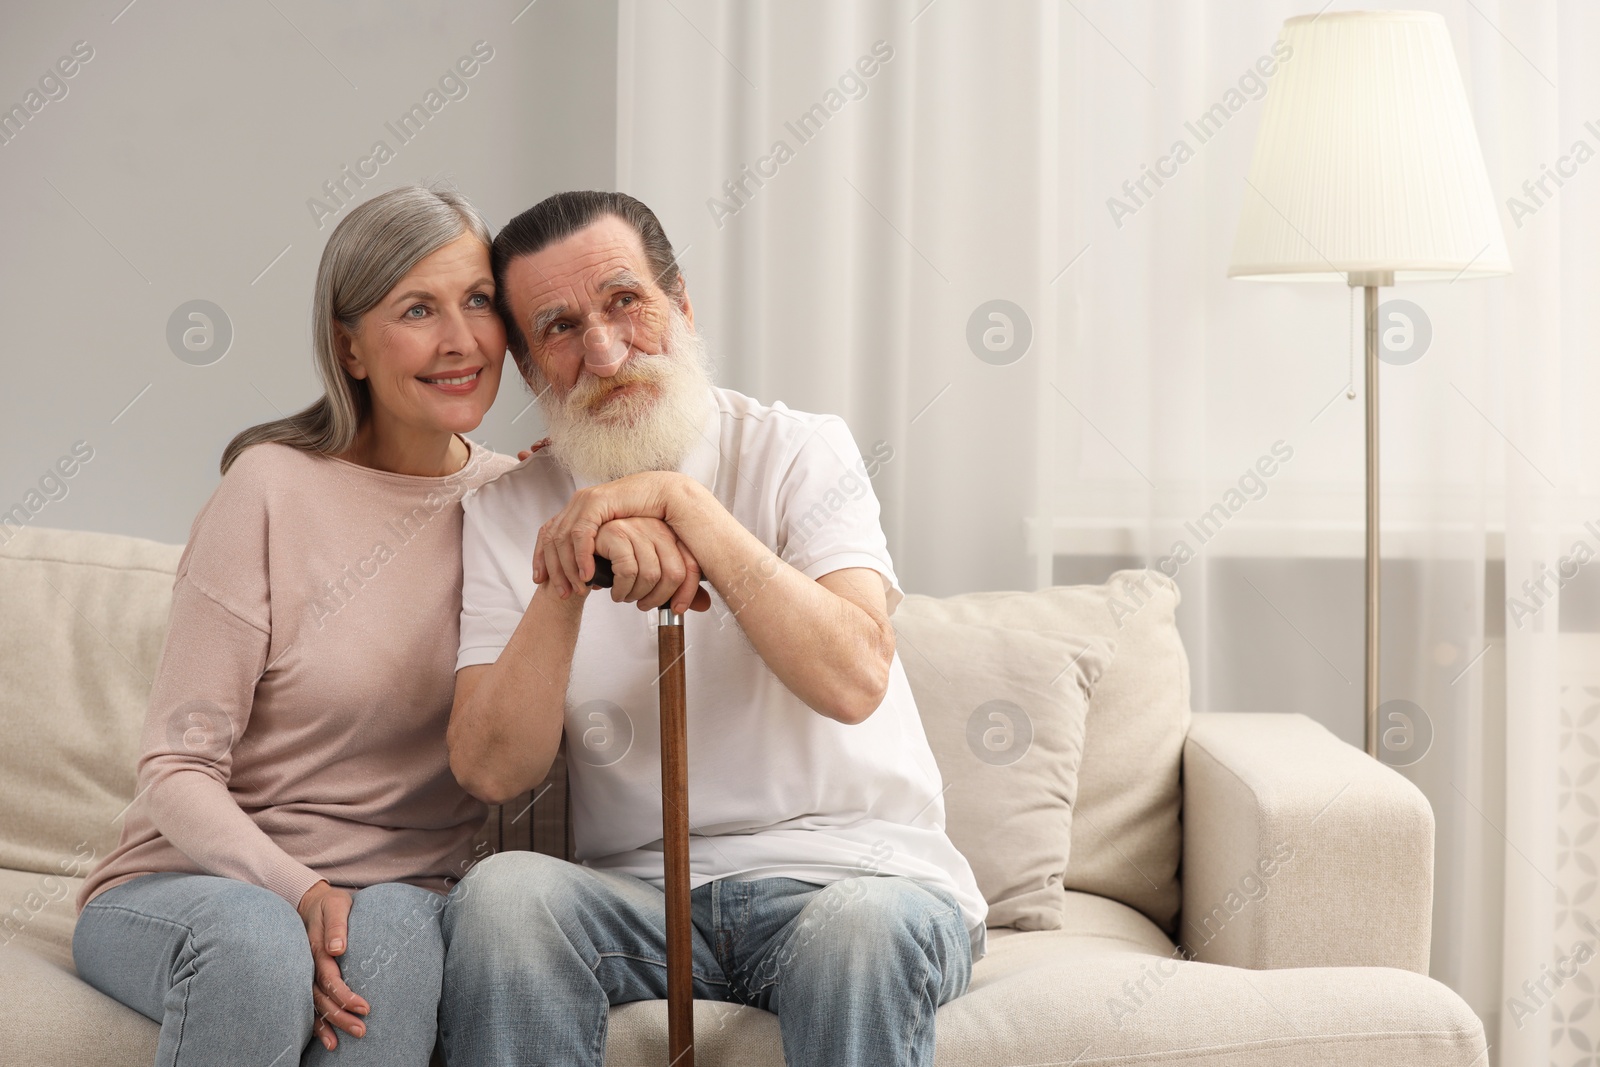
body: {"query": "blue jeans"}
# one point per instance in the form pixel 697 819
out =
pixel 225 968
pixel 537 949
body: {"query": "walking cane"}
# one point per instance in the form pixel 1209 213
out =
pixel 674 825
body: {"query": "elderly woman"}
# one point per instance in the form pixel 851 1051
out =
pixel 280 871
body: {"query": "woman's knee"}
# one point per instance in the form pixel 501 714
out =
pixel 254 941
pixel 245 944
pixel 395 931
pixel 395 906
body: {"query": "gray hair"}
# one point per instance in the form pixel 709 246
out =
pixel 368 253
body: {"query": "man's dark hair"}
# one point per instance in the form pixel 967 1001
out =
pixel 560 216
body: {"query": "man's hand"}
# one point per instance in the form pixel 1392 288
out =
pixel 564 552
pixel 326 913
pixel 828 639
pixel 650 565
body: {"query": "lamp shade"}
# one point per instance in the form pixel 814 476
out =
pixel 1367 159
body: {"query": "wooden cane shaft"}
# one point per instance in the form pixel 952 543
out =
pixel 675 838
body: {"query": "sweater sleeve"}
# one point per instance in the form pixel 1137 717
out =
pixel 218 639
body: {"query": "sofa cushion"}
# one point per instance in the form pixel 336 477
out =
pixel 39 914
pixel 1103 990
pixel 85 617
pixel 1004 713
pixel 1058 997
pixel 53 1018
pixel 1106 990
pixel 1126 837
pixel 730 1035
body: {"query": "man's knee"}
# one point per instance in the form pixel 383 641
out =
pixel 874 918
pixel 507 879
pixel 508 888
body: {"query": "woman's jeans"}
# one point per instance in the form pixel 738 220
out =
pixel 538 949
pixel 225 968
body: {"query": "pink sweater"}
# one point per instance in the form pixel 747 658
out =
pixel 297 719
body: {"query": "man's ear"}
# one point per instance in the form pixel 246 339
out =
pixel 344 349
pixel 683 301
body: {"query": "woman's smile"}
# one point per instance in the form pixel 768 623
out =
pixel 458 384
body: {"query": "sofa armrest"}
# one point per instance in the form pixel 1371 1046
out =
pixel 1300 850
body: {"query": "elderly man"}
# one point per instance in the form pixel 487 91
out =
pixel 824 887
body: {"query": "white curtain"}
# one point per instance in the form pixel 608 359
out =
pixel 846 235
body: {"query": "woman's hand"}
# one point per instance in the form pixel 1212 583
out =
pixel 650 565
pixel 531 449
pixel 565 550
pixel 326 913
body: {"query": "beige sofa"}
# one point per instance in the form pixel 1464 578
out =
pixel 1240 888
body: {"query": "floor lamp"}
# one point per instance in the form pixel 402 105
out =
pixel 1367 172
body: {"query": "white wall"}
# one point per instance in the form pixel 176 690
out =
pixel 178 166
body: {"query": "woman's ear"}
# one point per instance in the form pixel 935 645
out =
pixel 344 348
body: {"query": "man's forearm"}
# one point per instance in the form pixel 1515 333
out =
pixel 830 652
pixel 505 726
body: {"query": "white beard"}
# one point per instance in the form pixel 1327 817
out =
pixel 651 429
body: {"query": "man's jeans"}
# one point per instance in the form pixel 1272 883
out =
pixel 538 948
pixel 225 968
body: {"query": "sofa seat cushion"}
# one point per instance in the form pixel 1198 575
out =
pixel 1062 997
pixel 1053 997
pixel 38 914
pixel 54 1018
pixel 1106 988
pixel 736 1036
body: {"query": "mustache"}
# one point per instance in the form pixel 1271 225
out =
pixel 641 369
pixel 651 427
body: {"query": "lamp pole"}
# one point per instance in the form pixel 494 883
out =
pixel 1369 282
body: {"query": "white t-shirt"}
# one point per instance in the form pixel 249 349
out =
pixel 775 788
